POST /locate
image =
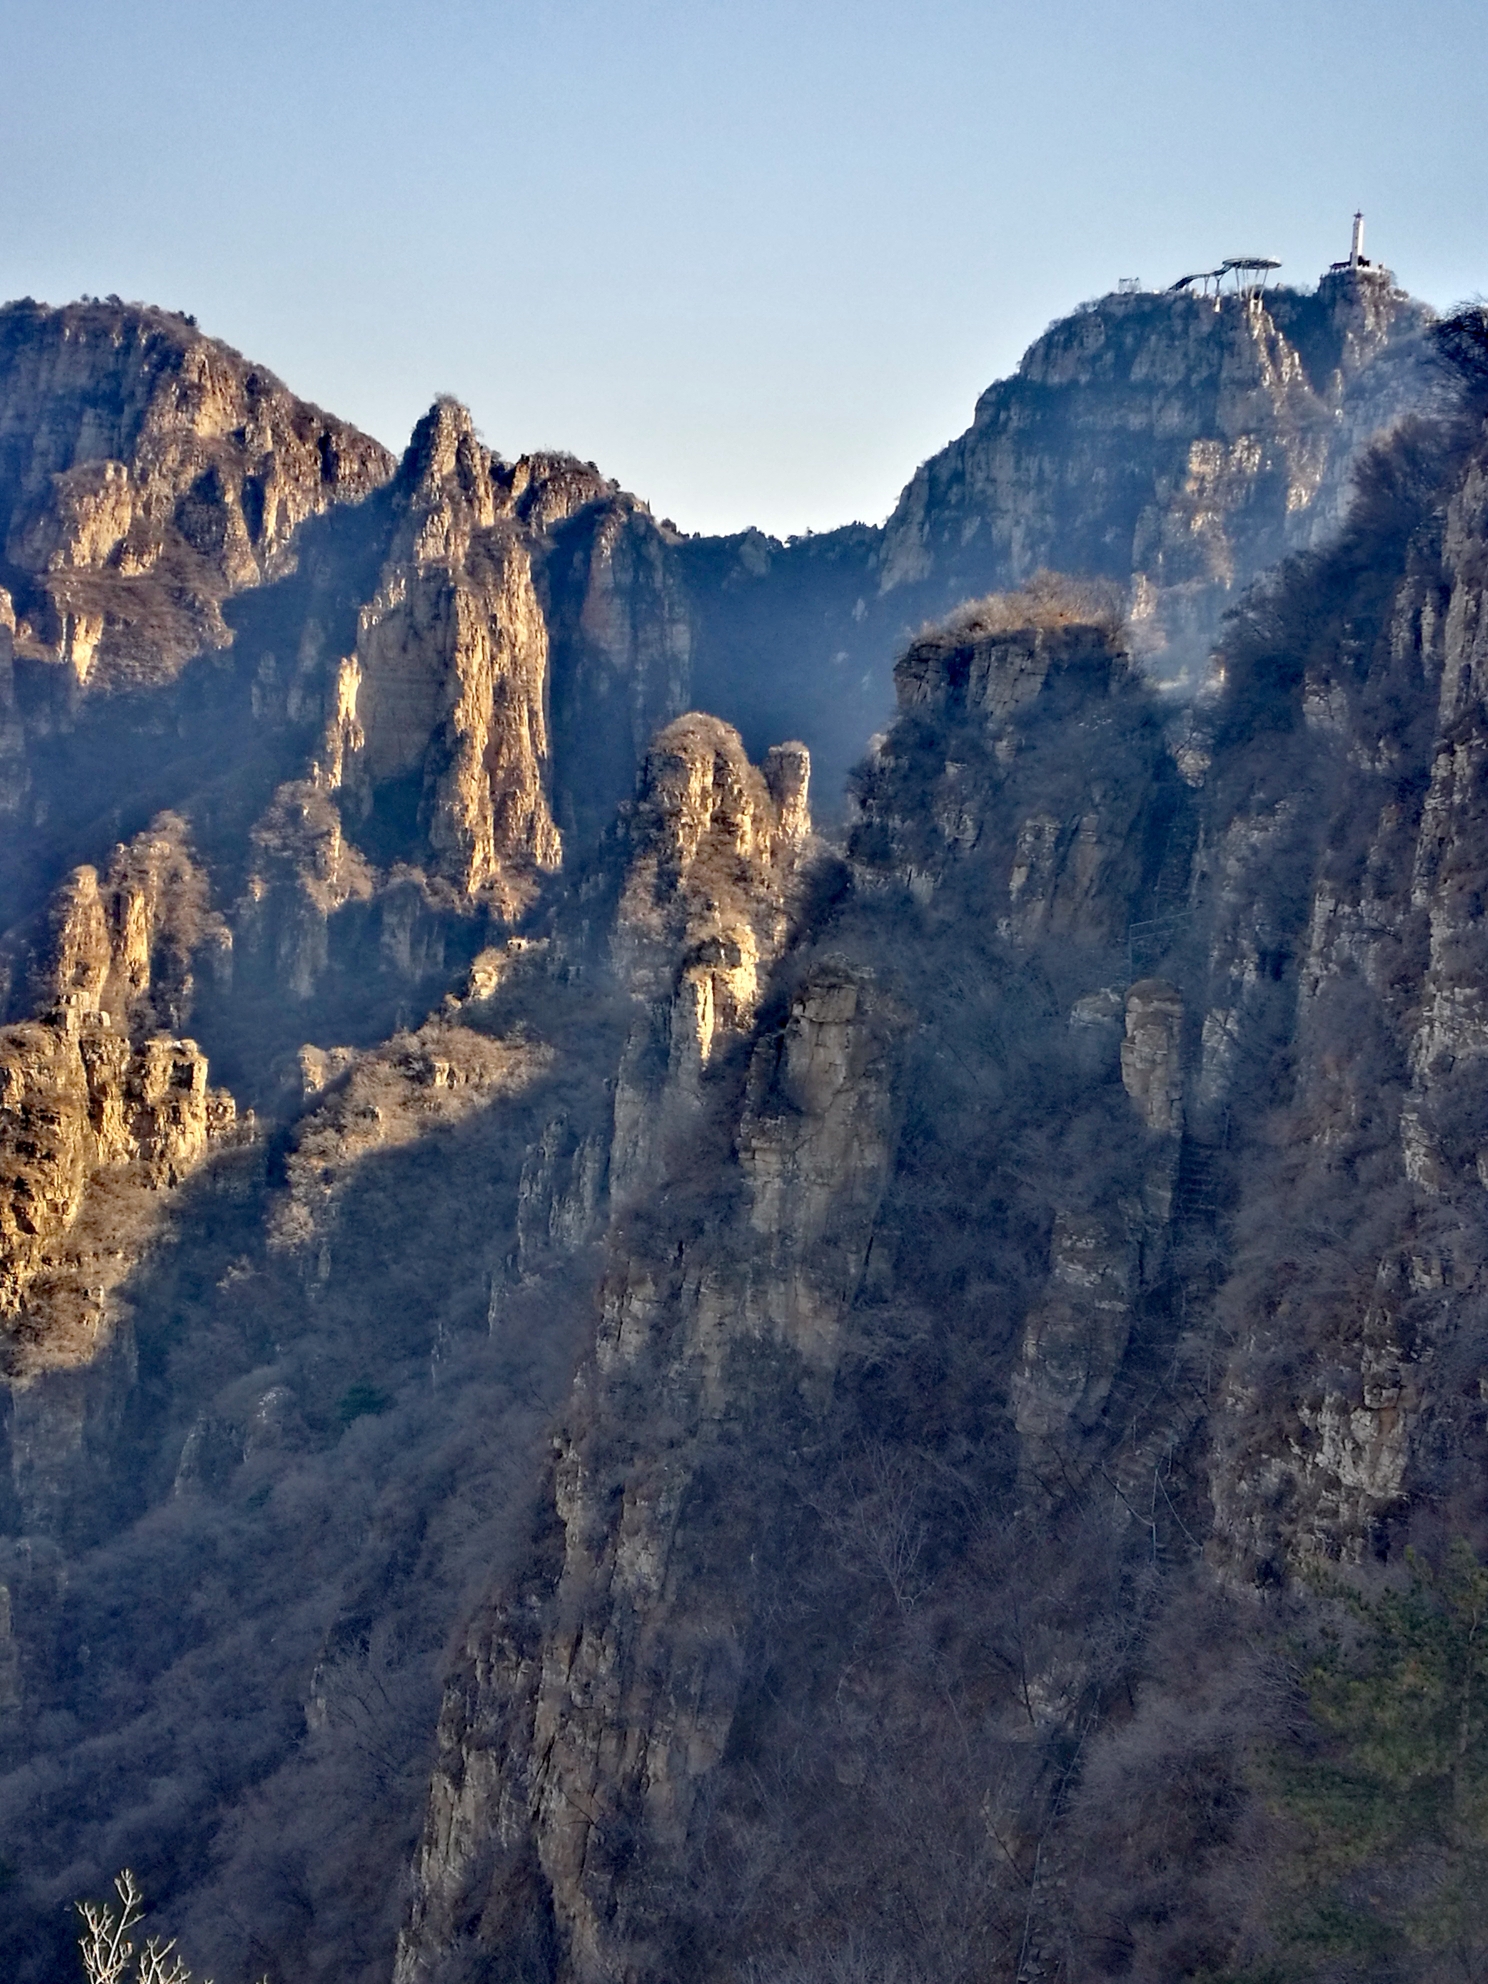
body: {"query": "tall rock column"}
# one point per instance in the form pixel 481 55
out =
pixel 1151 1054
pixel 449 683
pixel 716 850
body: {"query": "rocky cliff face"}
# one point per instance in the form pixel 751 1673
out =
pixel 448 686
pixel 1076 1101
pixel 717 847
pixel 624 634
pixel 1378 964
pixel 1239 417
pixel 595 1706
pixel 1172 444
pixel 586 1742
pixel 484 652
pixel 147 473
pixel 435 755
pixel 801 1318
pixel 103 1110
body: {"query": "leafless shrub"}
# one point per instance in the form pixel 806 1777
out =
pixel 854 1961
pixel 877 1522
pixel 109 1957
pixel 1462 339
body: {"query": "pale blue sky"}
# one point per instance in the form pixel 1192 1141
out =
pixel 756 259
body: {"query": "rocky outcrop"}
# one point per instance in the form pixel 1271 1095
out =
pixel 1238 421
pixel 814 1145
pixel 624 626
pixel 303 871
pixel 1364 1238
pixel 1152 1055
pixel 103 1110
pixel 147 473
pixel 1166 443
pixel 592 1710
pixel 379 1101
pixel 429 796
pixel 982 775
pixel 1449 1037
pixel 715 846
pixel 1076 1338
pixel 131 942
pixel 15 780
pixel 717 850
pixel 448 688
pixel 92 1134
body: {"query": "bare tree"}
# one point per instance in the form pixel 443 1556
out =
pixel 109 1956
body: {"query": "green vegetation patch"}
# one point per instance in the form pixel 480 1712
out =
pixel 1391 1804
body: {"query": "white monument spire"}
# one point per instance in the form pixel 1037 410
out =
pixel 1358 267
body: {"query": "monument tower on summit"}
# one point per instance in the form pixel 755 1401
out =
pixel 1358 266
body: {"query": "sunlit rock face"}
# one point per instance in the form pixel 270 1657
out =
pixel 1177 444
pixel 717 850
pixel 432 784
pixel 448 685
pixel 147 473
pixel 103 1111
pixel 715 840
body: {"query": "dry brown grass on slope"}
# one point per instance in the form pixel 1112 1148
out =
pixel 1047 601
